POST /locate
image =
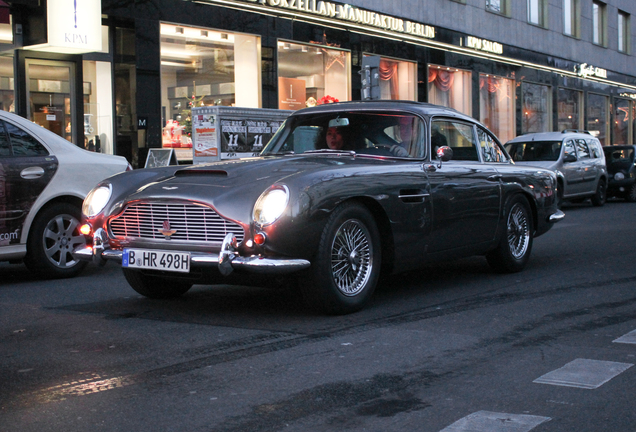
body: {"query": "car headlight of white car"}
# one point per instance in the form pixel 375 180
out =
pixel 271 205
pixel 96 200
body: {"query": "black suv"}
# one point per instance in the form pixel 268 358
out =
pixel 622 171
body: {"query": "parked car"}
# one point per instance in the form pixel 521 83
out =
pixel 575 156
pixel 621 168
pixel 401 184
pixel 43 181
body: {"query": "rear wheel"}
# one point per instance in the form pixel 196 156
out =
pixel 513 252
pixel 155 287
pixel 346 267
pixel 631 193
pixel 53 236
pixel 601 194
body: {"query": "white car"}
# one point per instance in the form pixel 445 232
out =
pixel 43 181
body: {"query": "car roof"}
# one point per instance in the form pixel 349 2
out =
pixel 551 136
pixel 422 108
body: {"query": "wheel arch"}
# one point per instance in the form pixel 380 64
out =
pixel 61 199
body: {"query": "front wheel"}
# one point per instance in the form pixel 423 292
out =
pixel 630 196
pixel 513 252
pixel 155 287
pixel 346 267
pixel 53 236
pixel 601 194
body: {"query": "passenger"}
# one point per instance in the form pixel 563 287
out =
pixel 335 138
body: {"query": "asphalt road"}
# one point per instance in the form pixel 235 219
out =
pixel 453 347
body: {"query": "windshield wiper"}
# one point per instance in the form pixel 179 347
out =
pixel 288 152
pixel 350 152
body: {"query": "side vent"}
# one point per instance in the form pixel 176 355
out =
pixel 411 196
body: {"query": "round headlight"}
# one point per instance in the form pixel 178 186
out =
pixel 271 205
pixel 619 176
pixel 96 200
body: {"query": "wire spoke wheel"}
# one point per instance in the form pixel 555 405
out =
pixel 351 257
pixel 518 231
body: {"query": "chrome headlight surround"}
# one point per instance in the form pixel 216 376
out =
pixel 97 199
pixel 271 205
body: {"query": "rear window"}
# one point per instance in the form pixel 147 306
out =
pixel 534 151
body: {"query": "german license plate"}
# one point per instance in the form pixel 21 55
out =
pixel 156 260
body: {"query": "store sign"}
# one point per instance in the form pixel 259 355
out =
pixel 628 95
pixel 348 13
pixel 584 70
pixel 73 27
pixel 484 45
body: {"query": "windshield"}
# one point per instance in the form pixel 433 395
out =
pixel 534 151
pixel 381 134
pixel 619 158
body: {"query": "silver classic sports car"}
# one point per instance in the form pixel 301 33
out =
pixel 342 193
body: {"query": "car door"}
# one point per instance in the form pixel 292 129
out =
pixel 26 167
pixel 587 168
pixel 465 192
pixel 573 180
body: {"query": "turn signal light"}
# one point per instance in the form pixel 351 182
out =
pixel 85 229
pixel 259 238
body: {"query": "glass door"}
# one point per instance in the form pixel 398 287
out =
pixel 50 95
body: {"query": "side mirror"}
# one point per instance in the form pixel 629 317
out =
pixel 570 158
pixel 444 153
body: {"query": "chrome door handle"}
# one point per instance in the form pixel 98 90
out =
pixel 32 173
pixel 495 177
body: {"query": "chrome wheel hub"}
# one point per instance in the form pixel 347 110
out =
pixel 351 258
pixel 518 231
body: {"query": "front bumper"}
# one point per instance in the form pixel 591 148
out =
pixel 227 260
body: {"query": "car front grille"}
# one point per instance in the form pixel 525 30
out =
pixel 190 222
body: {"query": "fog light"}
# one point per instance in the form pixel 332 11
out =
pixel 85 229
pixel 259 238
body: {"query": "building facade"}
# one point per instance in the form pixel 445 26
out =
pixel 518 66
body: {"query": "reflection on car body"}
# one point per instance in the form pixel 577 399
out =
pixel 394 197
pixel 43 181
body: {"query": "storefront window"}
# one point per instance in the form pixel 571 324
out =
pixel 570 109
pixel 98 102
pixel 450 87
pixel 398 79
pixel 205 67
pixel 497 105
pixel 622 121
pixel 536 108
pixel 6 84
pixel 597 116
pixel 312 74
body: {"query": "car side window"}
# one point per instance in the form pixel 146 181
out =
pixel 490 149
pixel 24 144
pixel 5 146
pixel 595 148
pixel 569 148
pixel 582 150
pixel 459 136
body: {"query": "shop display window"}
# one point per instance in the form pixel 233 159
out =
pixel 623 121
pixel 98 100
pixel 311 74
pixel 450 87
pixel 536 108
pixel 597 117
pixel 6 84
pixel 570 109
pixel 205 67
pixel 497 105
pixel 398 79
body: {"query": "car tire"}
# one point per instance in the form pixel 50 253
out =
pixel 513 251
pixel 155 287
pixel 346 267
pixel 630 196
pixel 599 198
pixel 53 236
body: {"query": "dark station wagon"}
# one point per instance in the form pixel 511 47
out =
pixel 342 193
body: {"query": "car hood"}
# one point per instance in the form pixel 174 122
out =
pixel 232 187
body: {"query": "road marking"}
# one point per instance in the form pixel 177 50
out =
pixel 488 421
pixel 583 373
pixel 629 338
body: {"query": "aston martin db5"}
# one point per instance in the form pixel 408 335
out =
pixel 341 194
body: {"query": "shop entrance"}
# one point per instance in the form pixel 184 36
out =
pixel 50 92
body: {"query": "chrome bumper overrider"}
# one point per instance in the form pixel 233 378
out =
pixel 227 260
pixel 556 217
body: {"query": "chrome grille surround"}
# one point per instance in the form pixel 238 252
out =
pixel 192 222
